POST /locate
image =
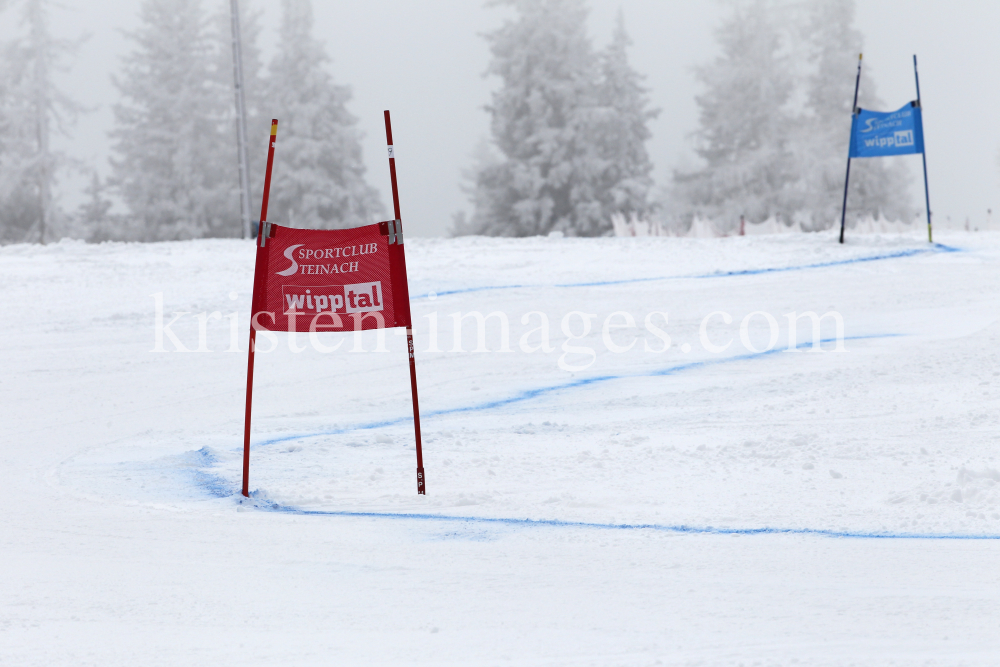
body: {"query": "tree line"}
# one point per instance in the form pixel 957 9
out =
pixel 173 150
pixel 774 123
pixel 569 127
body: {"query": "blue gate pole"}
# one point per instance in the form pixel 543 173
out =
pixel 923 154
pixel 847 178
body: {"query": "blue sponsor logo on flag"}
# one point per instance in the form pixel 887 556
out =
pixel 878 133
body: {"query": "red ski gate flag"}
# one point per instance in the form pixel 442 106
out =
pixel 330 280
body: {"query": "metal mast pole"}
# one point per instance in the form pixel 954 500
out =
pixel 241 118
pixel 39 44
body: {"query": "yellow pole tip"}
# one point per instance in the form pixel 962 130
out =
pixel 860 55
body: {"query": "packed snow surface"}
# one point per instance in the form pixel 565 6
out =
pixel 673 478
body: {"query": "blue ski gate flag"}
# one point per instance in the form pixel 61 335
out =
pixel 878 133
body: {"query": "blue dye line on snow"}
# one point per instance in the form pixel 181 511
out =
pixel 936 247
pixel 529 394
pixel 219 488
pixel 683 529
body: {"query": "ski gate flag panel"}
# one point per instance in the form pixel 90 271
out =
pixel 330 280
pixel 880 133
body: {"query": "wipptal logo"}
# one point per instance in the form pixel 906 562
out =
pixel 354 298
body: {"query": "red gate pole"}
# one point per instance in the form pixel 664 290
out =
pixel 261 236
pixel 421 488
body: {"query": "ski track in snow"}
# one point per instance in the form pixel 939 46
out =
pixel 530 394
pixel 556 523
pixel 937 247
pixel 220 488
pixel 216 486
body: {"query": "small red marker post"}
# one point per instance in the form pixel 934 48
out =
pixel 261 240
pixel 421 488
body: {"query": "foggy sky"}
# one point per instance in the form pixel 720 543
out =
pixel 424 61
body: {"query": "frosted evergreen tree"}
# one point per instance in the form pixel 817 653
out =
pixel 484 158
pixel 568 126
pixel 550 173
pixel 93 216
pixel 173 159
pixel 877 185
pixel 318 179
pixel 18 208
pixel 623 130
pixel 744 135
pixel 764 158
pixel 31 109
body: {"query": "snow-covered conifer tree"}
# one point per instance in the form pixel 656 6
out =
pixel 173 164
pixel 776 117
pixel 31 108
pixel 877 185
pixel 93 217
pixel 549 175
pixel 622 130
pixel 318 179
pixel 18 207
pixel 744 126
pixel 569 128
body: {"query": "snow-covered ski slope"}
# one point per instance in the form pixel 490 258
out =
pixel 687 506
